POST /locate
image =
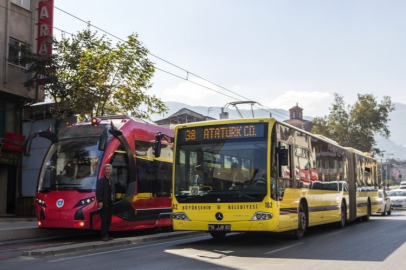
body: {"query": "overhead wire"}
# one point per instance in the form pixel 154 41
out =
pixel 174 65
pixel 160 58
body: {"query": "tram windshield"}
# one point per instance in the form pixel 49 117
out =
pixel 233 170
pixel 71 165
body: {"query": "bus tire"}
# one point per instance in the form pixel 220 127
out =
pixel 218 235
pixel 366 218
pixel 343 215
pixel 302 223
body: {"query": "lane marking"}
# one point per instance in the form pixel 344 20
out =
pixel 277 250
pixel 123 249
pixel 337 232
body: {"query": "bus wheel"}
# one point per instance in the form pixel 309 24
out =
pixel 366 218
pixel 302 221
pixel 218 235
pixel 343 214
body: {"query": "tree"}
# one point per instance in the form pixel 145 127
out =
pixel 89 76
pixel 355 126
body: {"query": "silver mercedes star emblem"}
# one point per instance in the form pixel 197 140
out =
pixel 219 216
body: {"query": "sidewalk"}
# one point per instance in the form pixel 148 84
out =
pixel 12 228
pixel 89 246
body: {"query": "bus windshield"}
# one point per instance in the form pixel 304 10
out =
pixel 227 170
pixel 71 165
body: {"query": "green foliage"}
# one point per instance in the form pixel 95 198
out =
pixel 355 126
pixel 90 76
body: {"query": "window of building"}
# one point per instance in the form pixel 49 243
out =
pixel 14 52
pixel 3 119
pixel 22 3
pixel 300 115
pixel 293 114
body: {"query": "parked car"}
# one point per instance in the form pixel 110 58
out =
pixel 384 203
pixel 398 198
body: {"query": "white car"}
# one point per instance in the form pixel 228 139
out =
pixel 398 198
pixel 384 203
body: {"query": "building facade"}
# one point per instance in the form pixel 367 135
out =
pixel 18 27
pixel 296 119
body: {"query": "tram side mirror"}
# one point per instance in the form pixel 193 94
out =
pixel 157 146
pixel 103 141
pixel 283 157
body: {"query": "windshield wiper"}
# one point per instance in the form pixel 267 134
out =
pixel 62 184
pixel 84 189
pixel 230 193
pixel 242 194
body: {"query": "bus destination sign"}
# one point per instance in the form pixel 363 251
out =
pixel 221 132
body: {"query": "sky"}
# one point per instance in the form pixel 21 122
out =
pixel 277 53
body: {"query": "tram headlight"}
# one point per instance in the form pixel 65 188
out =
pixel 262 216
pixel 40 202
pixel 86 201
pixel 180 216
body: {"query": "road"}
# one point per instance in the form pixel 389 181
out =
pixel 376 244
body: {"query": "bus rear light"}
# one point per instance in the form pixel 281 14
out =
pixel 96 121
pixel 39 223
pixel 180 216
pixel 262 216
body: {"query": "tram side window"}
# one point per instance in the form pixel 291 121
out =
pixel 163 179
pixel 143 148
pixel 119 161
pixel 144 172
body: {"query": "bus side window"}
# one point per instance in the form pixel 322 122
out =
pixel 285 171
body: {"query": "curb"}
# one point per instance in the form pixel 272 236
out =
pixel 31 233
pixel 81 247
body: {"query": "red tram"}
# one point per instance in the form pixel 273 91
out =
pixel 65 196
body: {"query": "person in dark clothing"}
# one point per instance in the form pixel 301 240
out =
pixel 105 194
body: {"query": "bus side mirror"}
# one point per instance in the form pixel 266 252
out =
pixel 283 157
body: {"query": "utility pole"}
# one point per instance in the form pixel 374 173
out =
pixel 386 179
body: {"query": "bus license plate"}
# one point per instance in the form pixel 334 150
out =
pixel 220 227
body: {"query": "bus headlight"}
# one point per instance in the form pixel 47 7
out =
pixel 262 216
pixel 180 216
pixel 41 202
pixel 85 201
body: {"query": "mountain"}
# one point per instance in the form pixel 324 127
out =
pixel 214 112
pixel 396 144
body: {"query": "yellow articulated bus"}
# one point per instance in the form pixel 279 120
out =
pixel 246 175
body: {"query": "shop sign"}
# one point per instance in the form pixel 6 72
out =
pixel 13 142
